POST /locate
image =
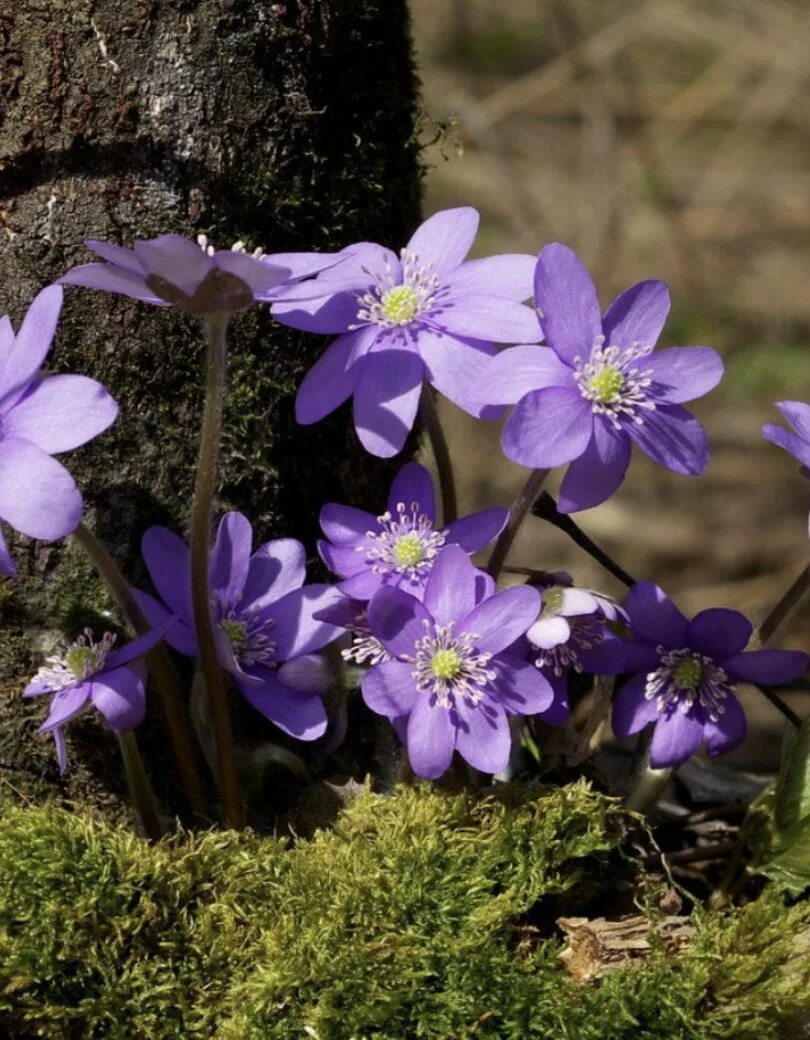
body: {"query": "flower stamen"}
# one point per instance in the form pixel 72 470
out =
pixel 407 544
pixel 395 305
pixel 450 667
pixel 614 384
pixel 686 678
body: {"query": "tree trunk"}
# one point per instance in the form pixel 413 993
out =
pixel 287 125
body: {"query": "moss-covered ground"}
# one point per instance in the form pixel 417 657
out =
pixel 425 915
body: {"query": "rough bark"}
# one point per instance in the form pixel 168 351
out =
pixel 287 125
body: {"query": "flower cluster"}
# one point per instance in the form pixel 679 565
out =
pixel 453 662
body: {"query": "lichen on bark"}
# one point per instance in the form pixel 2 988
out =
pixel 286 125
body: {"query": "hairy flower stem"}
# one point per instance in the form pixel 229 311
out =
pixel 441 453
pixel 517 514
pixel 160 666
pixel 649 783
pixel 216 329
pixel 140 788
pixel 648 789
pixel 546 509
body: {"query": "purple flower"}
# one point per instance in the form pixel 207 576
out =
pixel 193 277
pixel 571 634
pixel 92 673
pixel 352 616
pixel 600 387
pixel 796 441
pixel 264 624
pixel 685 673
pixel 41 416
pixel 7 568
pixel 425 315
pixel 399 547
pixel 451 675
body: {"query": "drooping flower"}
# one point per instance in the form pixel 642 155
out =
pixel 598 387
pixel 91 673
pixel 42 416
pixel 192 276
pixel 425 315
pixel 571 634
pixel 266 632
pixel 685 673
pixel 399 547
pixel 451 675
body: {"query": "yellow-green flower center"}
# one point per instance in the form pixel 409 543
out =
pixel 446 664
pixel 400 305
pixel 236 631
pixel 606 385
pixel 409 550
pixel 81 660
pixel 688 674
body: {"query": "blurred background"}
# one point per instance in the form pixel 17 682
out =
pixel 665 139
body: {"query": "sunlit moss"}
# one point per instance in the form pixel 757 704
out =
pixel 408 920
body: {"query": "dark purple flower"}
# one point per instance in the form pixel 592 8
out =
pixel 193 277
pixel 90 673
pixel 265 627
pixel 685 674
pixel 425 315
pixel 41 416
pixel 600 387
pixel 451 675
pixel 7 568
pixel 400 547
pixel 571 634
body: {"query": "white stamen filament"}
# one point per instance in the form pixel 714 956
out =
pixel 391 304
pixel 616 387
pixel 449 666
pixel 685 678
pixel 407 544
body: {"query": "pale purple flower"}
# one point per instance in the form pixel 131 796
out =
pixel 93 674
pixel 685 673
pixel 192 276
pixel 266 632
pixel 796 441
pixel 571 634
pixel 399 547
pixel 425 315
pixel 451 674
pixel 598 387
pixel 41 416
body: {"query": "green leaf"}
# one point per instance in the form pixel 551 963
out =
pixel 788 862
pixel 793 786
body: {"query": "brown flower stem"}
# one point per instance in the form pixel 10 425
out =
pixel 430 418
pixel 780 705
pixel 517 514
pixel 784 608
pixel 158 660
pixel 546 509
pixel 140 788
pixel 216 329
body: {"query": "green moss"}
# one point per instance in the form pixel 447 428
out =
pixel 416 917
